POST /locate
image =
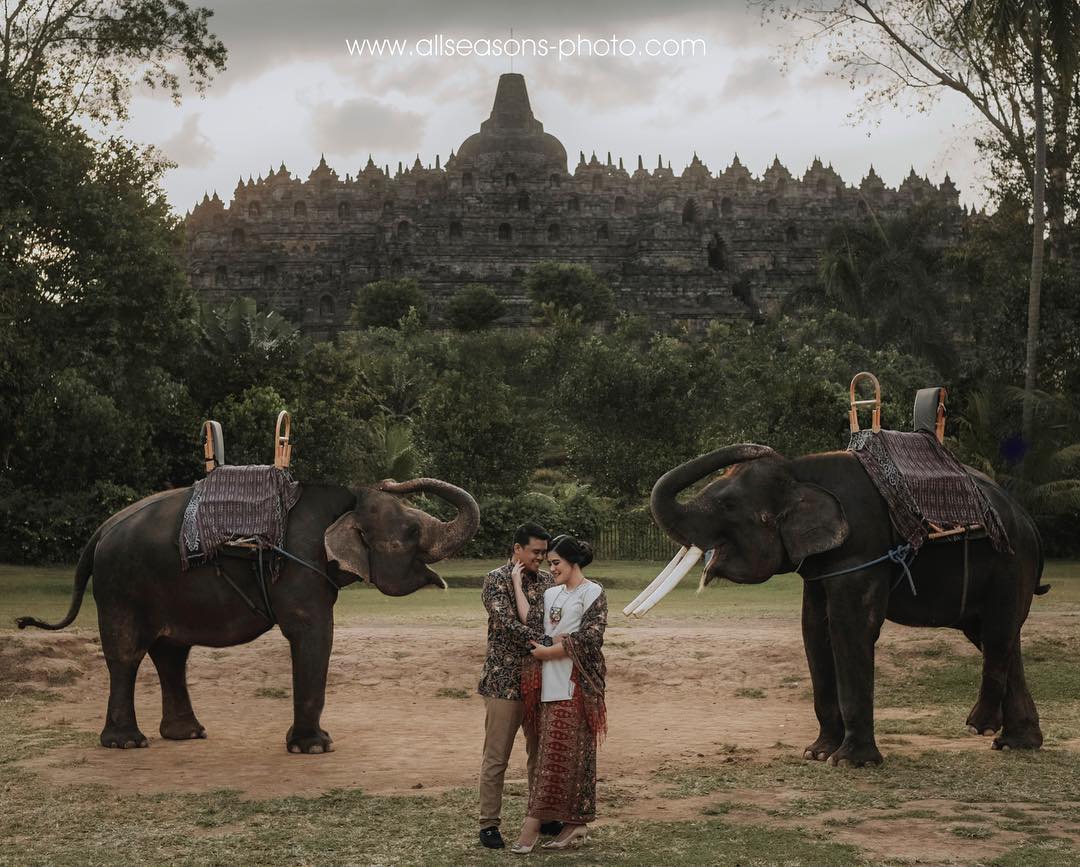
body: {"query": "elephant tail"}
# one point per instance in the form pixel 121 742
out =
pixel 83 571
pixel 1040 588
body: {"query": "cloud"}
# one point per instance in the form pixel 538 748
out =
pixel 821 79
pixel 607 86
pixel 360 125
pixel 188 146
pixel 261 33
pixel 757 78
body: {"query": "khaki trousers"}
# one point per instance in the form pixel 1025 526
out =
pixel 502 721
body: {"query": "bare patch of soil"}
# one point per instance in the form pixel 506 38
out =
pixel 680 697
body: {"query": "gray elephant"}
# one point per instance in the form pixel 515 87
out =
pixel 821 516
pixel 147 604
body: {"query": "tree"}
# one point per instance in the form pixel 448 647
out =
pixel 384 303
pixel 629 411
pixel 247 422
pixel 241 346
pixel 1006 23
pixel 888 275
pixel 88 269
pixel 472 432
pixel 575 290
pixel 474 307
pixel 970 47
pixel 72 57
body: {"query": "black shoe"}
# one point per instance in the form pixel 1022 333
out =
pixel 551 829
pixel 491 838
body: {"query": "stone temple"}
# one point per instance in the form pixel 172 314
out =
pixel 689 247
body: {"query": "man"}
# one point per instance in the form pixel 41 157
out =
pixel 500 681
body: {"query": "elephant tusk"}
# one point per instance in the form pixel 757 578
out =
pixel 710 555
pixel 677 575
pixel 644 594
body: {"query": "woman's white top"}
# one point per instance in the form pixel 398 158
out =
pixel 555 683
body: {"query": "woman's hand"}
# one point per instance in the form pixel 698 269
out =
pixel 543 653
pixel 516 573
pixel 539 651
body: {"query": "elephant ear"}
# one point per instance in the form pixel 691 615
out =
pixel 344 543
pixel 812 523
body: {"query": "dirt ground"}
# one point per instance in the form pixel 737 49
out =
pixel 402 708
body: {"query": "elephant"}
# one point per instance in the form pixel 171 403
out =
pixel 821 513
pixel 146 603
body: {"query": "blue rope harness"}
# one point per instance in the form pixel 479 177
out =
pixel 901 555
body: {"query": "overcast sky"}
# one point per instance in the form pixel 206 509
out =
pixel 292 92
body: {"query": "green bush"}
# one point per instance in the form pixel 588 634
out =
pixel 574 290
pixel 36 528
pixel 384 303
pixel 474 308
pixel 579 515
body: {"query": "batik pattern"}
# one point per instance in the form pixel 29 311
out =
pixel 507 637
pixel 569 731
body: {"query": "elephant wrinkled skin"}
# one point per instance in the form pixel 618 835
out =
pixel 821 513
pixel 146 604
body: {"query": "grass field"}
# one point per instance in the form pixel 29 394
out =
pixel 44 592
pixel 738 807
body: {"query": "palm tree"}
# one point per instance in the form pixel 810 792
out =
pixel 1044 477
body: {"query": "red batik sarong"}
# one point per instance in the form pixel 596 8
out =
pixel 569 732
pixel 564 789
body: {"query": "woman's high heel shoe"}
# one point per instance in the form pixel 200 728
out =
pixel 522 849
pixel 575 838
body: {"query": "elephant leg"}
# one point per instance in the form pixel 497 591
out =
pixel 310 647
pixel 121 729
pixel 1021 720
pixel 998 648
pixel 985 716
pixel 856 610
pixel 178 720
pixel 819 656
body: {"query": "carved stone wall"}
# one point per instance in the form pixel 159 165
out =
pixel 692 247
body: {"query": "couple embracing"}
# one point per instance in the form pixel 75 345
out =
pixel 544 672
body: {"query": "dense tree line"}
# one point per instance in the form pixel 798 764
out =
pixel 108 364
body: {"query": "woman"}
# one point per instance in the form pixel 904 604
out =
pixel 563 691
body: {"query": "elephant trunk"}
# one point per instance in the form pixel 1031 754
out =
pixel 674 517
pixel 446 536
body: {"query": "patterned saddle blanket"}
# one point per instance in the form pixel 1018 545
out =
pixel 236 502
pixel 922 483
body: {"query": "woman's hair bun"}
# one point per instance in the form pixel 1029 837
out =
pixel 574 550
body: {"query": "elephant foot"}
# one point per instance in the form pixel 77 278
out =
pixel 115 737
pixel 822 748
pixel 984 720
pixel 185 728
pixel 1029 739
pixel 850 755
pixel 310 741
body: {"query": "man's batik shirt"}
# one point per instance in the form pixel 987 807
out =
pixel 507 637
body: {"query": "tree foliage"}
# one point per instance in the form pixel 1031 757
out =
pixel 572 290
pixel 70 57
pixel 474 307
pixel 385 303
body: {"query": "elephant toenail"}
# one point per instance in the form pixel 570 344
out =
pixel 294 748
